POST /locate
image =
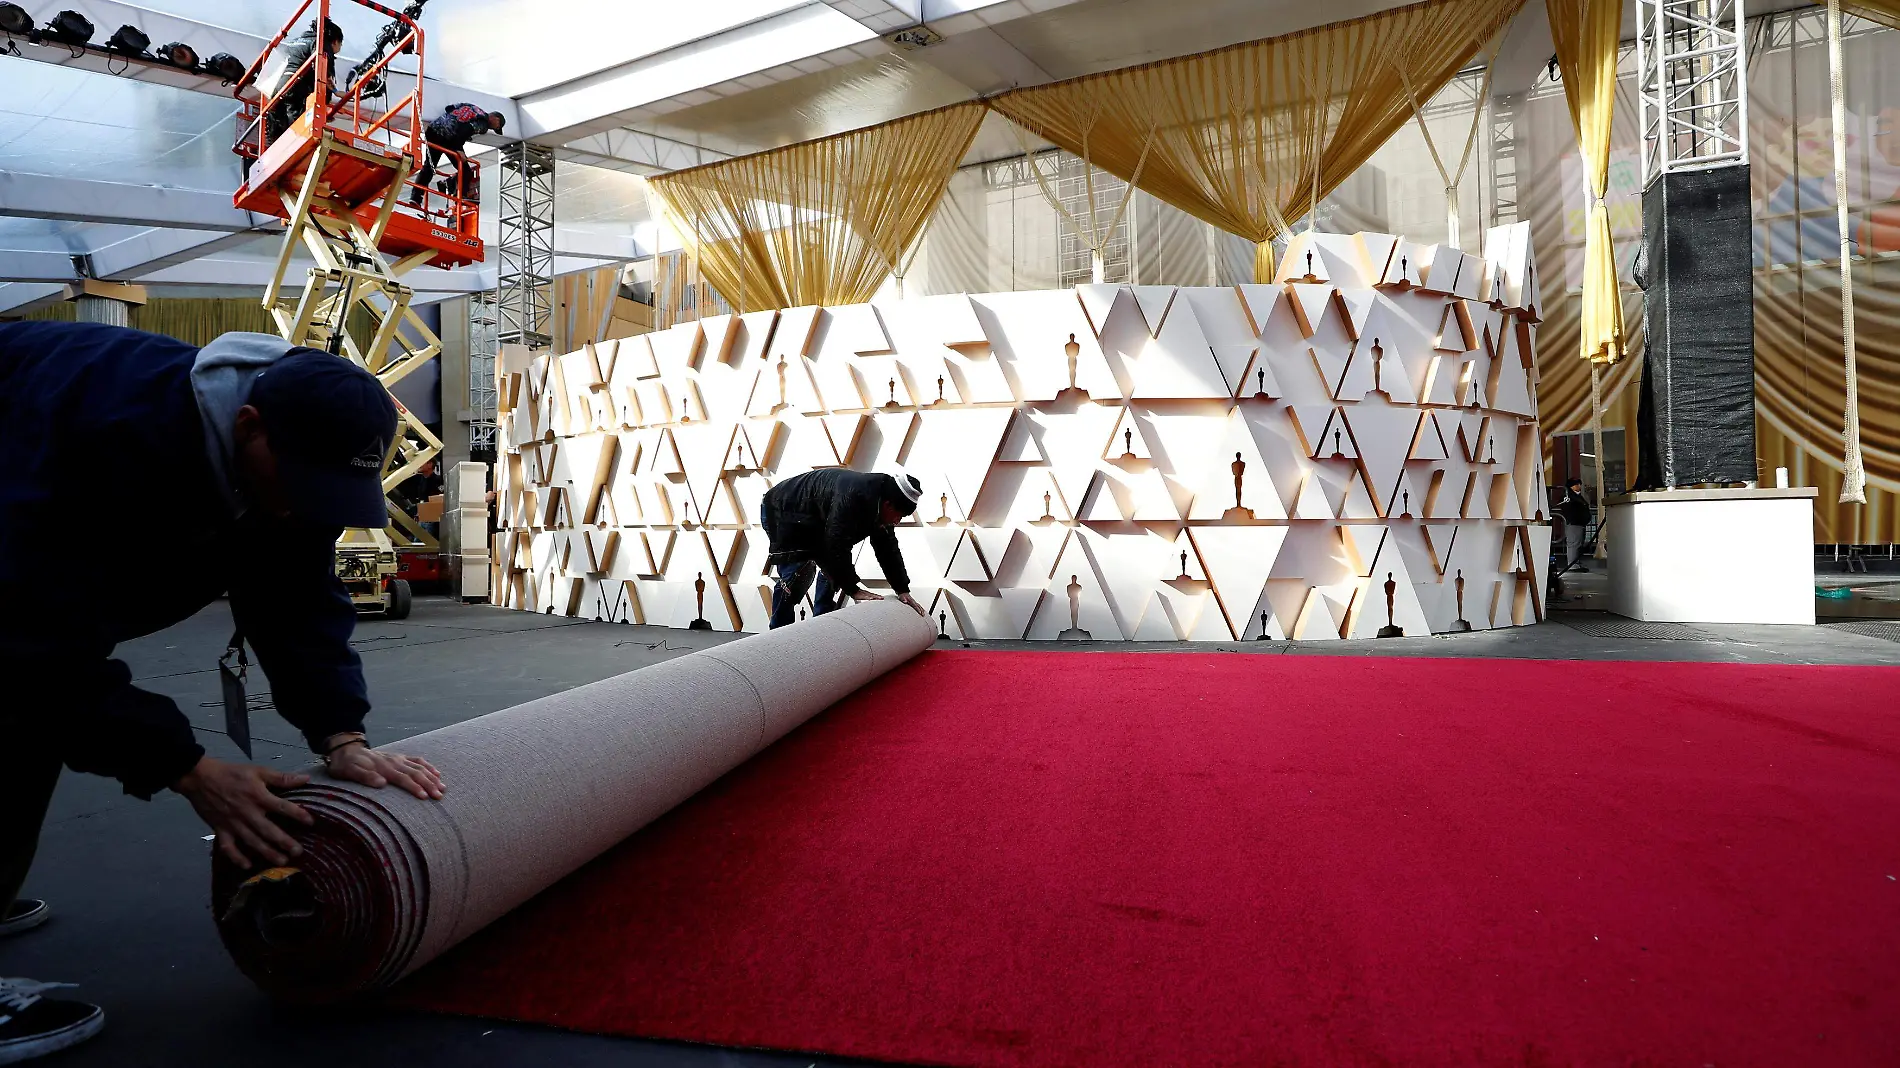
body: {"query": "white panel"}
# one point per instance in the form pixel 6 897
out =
pixel 1054 469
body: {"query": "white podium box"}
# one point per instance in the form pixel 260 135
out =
pixel 1712 555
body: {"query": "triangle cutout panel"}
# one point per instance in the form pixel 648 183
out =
pixel 1376 249
pixel 1318 621
pixel 1155 303
pixel 1428 444
pixel 1262 304
pixel 753 337
pixel 1029 333
pixel 1314 306
pixel 979 378
pixel 1238 561
pixel 1236 481
pixel 1388 598
pixel 1361 542
pixel 1019 607
pixel 1156 622
pixel 1128 442
pixel 1077 600
pixel 958 445
pixel 1406 500
pixel 1312 502
pixel 1022 443
pixel 1096 300
pixel 1383 435
pixel 967 565
pixel 793 336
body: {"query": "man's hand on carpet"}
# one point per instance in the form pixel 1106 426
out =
pixel 912 601
pixel 236 802
pixel 862 594
pixel 377 768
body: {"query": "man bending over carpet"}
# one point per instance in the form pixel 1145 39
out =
pixel 816 519
pixel 239 465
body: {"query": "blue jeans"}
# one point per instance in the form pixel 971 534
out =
pixel 793 581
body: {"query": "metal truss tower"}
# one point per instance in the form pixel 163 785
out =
pixel 525 279
pixel 1692 84
pixel 1502 123
pixel 484 311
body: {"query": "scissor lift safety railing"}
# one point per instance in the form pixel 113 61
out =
pixel 341 177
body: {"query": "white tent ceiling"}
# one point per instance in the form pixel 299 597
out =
pixel 133 165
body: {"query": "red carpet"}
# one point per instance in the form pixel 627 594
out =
pixel 1056 859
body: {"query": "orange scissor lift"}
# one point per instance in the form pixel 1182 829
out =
pixel 340 174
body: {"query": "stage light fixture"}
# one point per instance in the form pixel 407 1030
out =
pixel 226 66
pixel 179 54
pixel 129 40
pixel 14 21
pixel 71 29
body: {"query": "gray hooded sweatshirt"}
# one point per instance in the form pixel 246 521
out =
pixel 221 379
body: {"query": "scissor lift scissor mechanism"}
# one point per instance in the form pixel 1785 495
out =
pixel 341 178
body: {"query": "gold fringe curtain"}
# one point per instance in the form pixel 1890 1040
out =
pixel 193 320
pixel 1249 136
pixel 821 222
pixel 1585 33
pixel 1885 12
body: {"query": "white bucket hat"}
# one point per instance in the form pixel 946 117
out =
pixel 908 485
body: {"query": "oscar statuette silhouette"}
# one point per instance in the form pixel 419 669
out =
pixel 1391 629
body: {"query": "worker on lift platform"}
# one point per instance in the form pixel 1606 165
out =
pixel 451 131
pixel 291 104
pixel 238 465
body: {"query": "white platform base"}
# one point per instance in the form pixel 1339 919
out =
pixel 1713 556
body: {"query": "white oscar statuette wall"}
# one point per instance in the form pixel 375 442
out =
pixel 1352 449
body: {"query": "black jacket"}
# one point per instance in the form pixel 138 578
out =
pixel 1574 508
pixel 113 525
pixel 457 124
pixel 822 515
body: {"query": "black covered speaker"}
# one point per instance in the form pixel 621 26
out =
pixel 1696 419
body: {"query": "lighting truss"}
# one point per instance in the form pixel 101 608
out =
pixel 525 278
pixel 483 323
pixel 1692 83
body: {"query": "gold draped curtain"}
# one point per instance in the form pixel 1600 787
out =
pixel 822 222
pixel 1586 33
pixel 1885 12
pixel 193 320
pixel 1252 135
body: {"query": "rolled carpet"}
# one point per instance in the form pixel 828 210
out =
pixel 388 882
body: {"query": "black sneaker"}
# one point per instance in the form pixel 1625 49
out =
pixel 23 915
pixel 33 1026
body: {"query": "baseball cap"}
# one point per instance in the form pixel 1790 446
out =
pixel 331 425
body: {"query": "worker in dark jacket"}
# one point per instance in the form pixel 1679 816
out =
pixel 816 519
pixel 239 466
pixel 291 103
pixel 1573 507
pixel 451 131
